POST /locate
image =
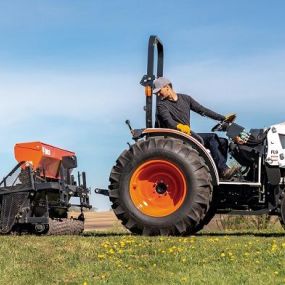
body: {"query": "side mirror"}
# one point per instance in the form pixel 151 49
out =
pixel 69 162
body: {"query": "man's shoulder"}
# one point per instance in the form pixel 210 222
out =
pixel 184 97
pixel 161 102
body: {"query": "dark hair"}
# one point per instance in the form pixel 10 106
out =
pixel 170 84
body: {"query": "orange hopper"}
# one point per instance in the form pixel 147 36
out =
pixel 42 156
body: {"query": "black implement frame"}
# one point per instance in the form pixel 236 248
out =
pixel 31 199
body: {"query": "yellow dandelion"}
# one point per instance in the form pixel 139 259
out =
pixel 274 247
pixel 223 254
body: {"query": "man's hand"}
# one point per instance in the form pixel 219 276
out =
pixel 184 129
pixel 238 140
pixel 229 118
pixel 242 138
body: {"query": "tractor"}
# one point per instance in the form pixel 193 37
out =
pixel 35 196
pixel 166 182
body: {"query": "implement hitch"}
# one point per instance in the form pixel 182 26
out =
pixel 104 192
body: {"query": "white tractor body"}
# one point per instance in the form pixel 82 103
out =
pixel 276 146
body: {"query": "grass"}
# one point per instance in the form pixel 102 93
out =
pixel 109 258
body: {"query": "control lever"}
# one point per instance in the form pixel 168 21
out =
pixel 128 123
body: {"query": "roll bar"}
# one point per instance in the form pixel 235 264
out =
pixel 147 80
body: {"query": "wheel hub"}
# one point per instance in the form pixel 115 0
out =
pixel 161 188
pixel 158 188
pixel 39 228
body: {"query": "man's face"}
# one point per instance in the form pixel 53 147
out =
pixel 164 92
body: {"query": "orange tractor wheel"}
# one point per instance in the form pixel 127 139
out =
pixel 160 186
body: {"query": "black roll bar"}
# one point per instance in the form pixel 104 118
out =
pixel 147 80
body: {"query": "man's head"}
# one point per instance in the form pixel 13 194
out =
pixel 162 87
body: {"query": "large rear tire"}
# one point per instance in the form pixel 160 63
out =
pixel 160 186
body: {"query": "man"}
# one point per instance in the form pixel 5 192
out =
pixel 173 111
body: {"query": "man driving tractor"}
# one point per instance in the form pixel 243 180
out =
pixel 173 111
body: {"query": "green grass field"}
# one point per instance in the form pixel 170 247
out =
pixel 108 258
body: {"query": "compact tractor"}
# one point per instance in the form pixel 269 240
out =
pixel 35 196
pixel 166 182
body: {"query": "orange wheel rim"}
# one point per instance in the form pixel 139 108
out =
pixel 157 188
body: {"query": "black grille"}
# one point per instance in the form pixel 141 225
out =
pixel 282 140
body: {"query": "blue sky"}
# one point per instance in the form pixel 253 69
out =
pixel 70 70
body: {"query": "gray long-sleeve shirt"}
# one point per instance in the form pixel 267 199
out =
pixel 171 113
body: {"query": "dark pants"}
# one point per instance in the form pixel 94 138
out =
pixel 218 148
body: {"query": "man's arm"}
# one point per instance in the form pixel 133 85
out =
pixel 203 111
pixel 165 117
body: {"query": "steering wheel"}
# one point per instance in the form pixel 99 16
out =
pixel 223 125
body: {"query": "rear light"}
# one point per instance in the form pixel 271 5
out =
pixel 148 91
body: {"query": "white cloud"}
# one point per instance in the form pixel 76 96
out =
pixel 249 86
pixel 85 96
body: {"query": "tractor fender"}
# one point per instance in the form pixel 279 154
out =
pixel 152 132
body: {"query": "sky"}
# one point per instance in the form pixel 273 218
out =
pixel 70 70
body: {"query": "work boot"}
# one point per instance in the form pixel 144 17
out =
pixel 228 173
